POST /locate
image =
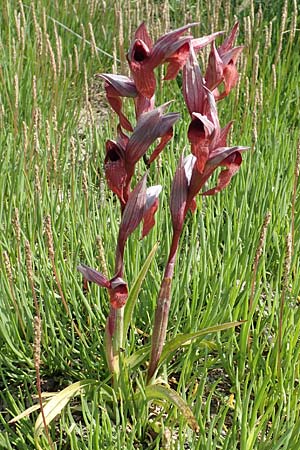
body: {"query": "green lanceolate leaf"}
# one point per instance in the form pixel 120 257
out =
pixel 26 413
pixel 183 339
pixel 138 357
pixel 160 392
pixel 58 402
pixel 134 292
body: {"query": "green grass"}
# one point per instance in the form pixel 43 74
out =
pixel 51 163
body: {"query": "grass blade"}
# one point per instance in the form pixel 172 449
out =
pixel 58 402
pixel 157 391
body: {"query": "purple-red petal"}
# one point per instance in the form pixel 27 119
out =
pixel 193 88
pixel 94 276
pixel 116 103
pixel 232 163
pixel 150 126
pixel 159 148
pixel 214 71
pixel 133 212
pixel 177 61
pixel 179 192
pixel 202 42
pixel 200 140
pixel 123 85
pixel 228 43
pixel 142 34
pixel 221 138
pixel 144 79
pixel 149 221
pixel 143 105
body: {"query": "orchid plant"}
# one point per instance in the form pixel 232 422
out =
pixel 209 151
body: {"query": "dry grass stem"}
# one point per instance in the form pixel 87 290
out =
pixel 22 12
pixel 52 57
pixel 282 29
pixel 58 46
pixel 37 182
pixel 93 41
pixel 30 274
pixel 294 21
pixel 76 58
pixel 274 76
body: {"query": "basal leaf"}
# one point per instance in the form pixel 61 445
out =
pixel 182 339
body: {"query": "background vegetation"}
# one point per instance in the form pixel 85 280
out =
pixel 54 121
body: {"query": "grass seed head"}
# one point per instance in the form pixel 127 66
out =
pixel 52 57
pixel 17 227
pixel 48 230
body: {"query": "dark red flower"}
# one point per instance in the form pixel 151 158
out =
pixel 150 126
pixel 222 65
pixel 188 181
pixel 121 156
pixel 115 170
pixel 117 287
pixel 143 57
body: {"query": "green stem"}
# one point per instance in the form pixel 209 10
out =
pixel 114 339
pixel 162 309
pixel 118 332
